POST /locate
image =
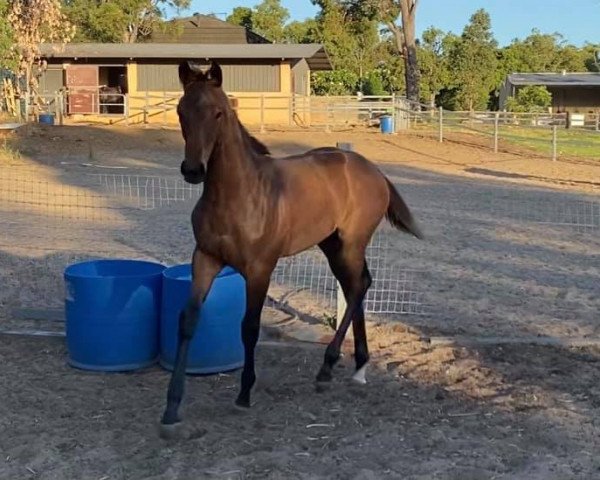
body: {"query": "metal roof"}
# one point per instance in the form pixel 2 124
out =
pixel 314 54
pixel 584 79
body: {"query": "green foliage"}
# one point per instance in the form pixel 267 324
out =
pixel 473 60
pixel 335 82
pixel 532 98
pixel 268 19
pixel 7 60
pixel 301 32
pixel 541 52
pixel 241 16
pixel 113 21
pixel 434 62
pixel 373 84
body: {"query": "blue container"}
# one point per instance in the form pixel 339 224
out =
pixel 386 122
pixel 46 118
pixel 113 314
pixel 217 343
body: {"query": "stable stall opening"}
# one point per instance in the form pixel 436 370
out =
pixel 112 89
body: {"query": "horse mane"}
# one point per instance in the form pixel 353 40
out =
pixel 256 145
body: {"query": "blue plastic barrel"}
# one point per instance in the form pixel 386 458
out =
pixel 46 118
pixel 217 343
pixel 386 122
pixel 113 314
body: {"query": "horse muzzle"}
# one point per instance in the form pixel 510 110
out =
pixel 193 175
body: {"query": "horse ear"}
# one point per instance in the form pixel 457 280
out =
pixel 215 74
pixel 187 74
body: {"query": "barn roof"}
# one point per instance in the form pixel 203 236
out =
pixel 314 54
pixel 582 79
pixel 205 29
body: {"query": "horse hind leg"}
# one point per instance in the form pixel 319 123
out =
pixel 347 262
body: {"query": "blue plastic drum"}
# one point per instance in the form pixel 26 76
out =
pixel 217 343
pixel 46 118
pixel 386 123
pixel 113 314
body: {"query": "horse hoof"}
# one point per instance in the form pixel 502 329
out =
pixel 171 431
pixel 242 405
pixel 321 386
pixel 359 375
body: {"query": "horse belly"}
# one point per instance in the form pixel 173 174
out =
pixel 308 227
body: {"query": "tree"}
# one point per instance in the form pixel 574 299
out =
pixel 8 60
pixel 241 16
pixel 473 62
pixel 540 52
pixel 35 22
pixel 114 21
pixel 335 82
pixel 301 32
pixel 388 12
pixel 268 19
pixel 531 98
pixel 434 62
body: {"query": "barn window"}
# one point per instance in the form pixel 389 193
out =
pixel 236 78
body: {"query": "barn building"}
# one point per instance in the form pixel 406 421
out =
pixel 571 92
pixel 263 79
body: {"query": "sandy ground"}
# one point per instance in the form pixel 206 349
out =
pixel 448 413
pixel 496 262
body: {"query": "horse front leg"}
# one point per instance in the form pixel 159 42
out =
pixel 204 269
pixel 257 284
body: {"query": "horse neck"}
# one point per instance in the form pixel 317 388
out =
pixel 232 168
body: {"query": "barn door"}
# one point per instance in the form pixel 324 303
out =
pixel 82 82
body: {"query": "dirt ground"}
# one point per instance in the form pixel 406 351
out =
pixel 502 413
pixel 494 265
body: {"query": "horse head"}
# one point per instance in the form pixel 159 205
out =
pixel 204 113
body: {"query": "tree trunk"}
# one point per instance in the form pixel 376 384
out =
pixel 408 9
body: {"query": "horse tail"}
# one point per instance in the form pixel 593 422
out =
pixel 398 213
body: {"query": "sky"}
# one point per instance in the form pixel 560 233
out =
pixel 577 20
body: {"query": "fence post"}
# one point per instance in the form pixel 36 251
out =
pixel 126 108
pixel 394 119
pixel 598 121
pixel 554 142
pixel 262 113
pixel 146 108
pixel 441 124
pixel 496 124
pixel 164 108
pixel 291 109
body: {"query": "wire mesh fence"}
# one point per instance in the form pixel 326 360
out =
pixel 536 134
pixel 50 218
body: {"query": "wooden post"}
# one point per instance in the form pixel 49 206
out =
pixel 126 108
pixel 291 109
pixel 496 125
pixel 394 113
pixel 58 107
pixel 146 108
pixel 164 108
pixel 262 113
pixel 441 125
pixel 554 142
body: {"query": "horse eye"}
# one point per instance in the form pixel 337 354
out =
pixel 219 114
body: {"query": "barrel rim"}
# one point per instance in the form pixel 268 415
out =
pixel 70 271
pixel 170 273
